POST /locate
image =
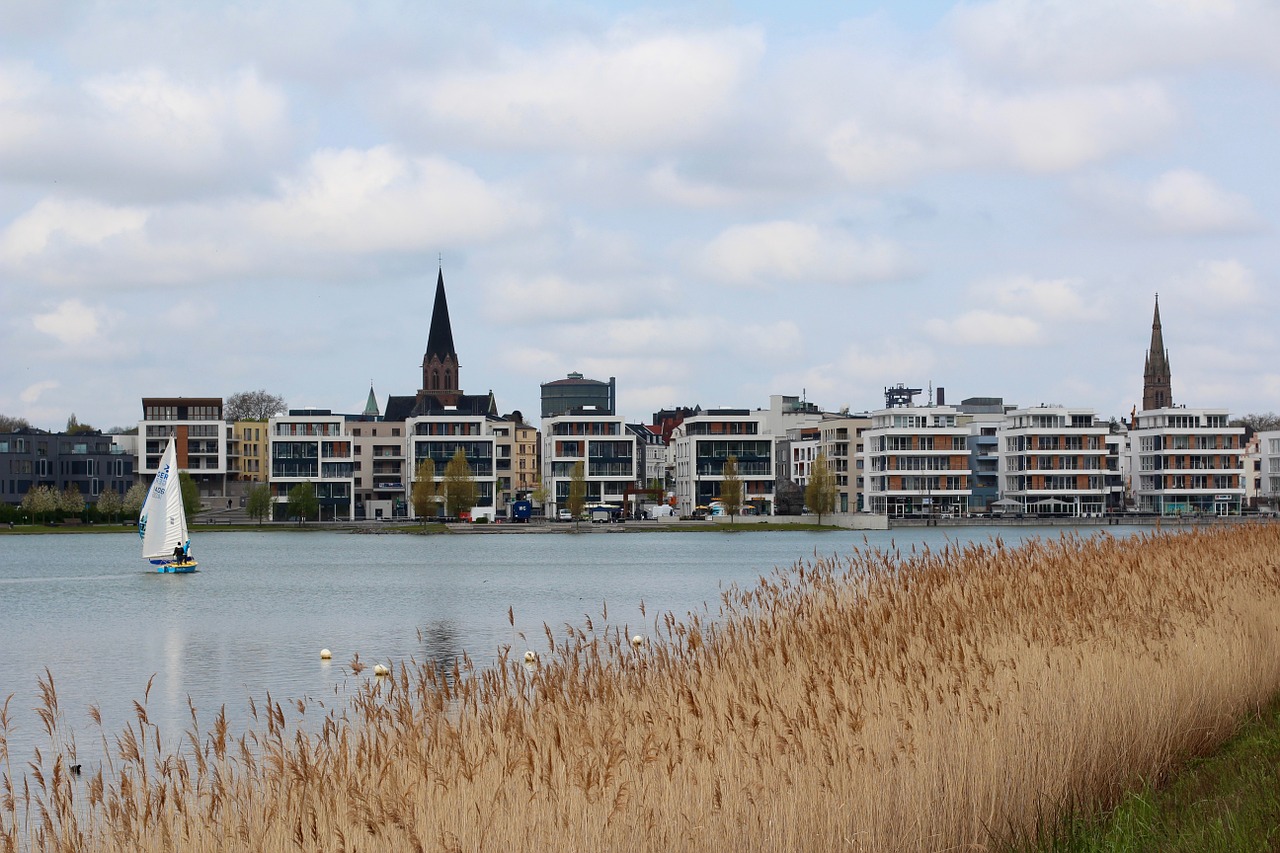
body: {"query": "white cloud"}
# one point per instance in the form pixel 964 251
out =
pixel 783 251
pixel 1187 202
pixel 378 199
pixel 1053 300
pixel 627 92
pixel 55 225
pixel 34 392
pixel 1225 286
pixel 72 322
pixel 342 208
pixel 986 328
pixel 140 134
pixel 665 182
pixel 1101 39
pixel 923 119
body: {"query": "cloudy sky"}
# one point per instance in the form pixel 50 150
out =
pixel 712 201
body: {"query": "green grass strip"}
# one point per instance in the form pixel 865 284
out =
pixel 1227 801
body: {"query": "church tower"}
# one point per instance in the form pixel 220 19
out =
pixel 1157 388
pixel 440 362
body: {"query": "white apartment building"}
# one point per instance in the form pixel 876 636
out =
pixel 703 443
pixel 1053 461
pixel 439 437
pixel 312 445
pixel 1269 459
pixel 1187 461
pixel 201 434
pixel 916 462
pixel 609 453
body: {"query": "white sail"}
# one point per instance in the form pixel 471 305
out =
pixel 162 523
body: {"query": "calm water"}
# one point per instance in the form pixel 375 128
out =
pixel 256 615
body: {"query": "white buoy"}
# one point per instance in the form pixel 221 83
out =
pixel 325 654
pixel 530 657
pixel 637 641
pixel 380 670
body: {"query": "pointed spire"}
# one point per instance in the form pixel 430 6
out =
pixel 1157 384
pixel 440 338
pixel 371 407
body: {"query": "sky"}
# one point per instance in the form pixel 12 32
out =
pixel 712 201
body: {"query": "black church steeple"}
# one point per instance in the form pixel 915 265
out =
pixel 440 362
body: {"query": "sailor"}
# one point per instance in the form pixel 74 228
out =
pixel 179 556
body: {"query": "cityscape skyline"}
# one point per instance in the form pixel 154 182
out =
pixel 713 203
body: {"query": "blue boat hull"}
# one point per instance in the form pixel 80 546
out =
pixel 176 568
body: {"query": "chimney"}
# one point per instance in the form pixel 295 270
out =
pixel 942 396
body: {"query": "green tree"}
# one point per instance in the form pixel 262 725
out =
pixel 109 505
pixel 74 427
pixel 578 491
pixel 70 501
pixel 303 504
pixel 135 498
pixel 424 491
pixel 731 488
pixel 190 494
pixel 258 502
pixel 458 485
pixel 820 493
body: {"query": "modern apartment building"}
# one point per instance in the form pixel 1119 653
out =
pixel 609 451
pixel 312 445
pixel 704 441
pixel 88 462
pixel 248 452
pixel 1187 461
pixel 916 462
pixel 1269 467
pixel 379 463
pixel 841 439
pixel 202 439
pixel 439 437
pixel 1053 461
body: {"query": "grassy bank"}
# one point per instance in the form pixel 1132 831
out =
pixel 1228 801
pixel 920 701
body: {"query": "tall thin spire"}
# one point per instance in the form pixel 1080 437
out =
pixel 440 338
pixel 1157 383
pixel 440 362
pixel 371 405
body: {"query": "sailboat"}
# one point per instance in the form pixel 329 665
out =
pixel 162 523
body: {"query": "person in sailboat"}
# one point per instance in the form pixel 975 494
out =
pixel 179 555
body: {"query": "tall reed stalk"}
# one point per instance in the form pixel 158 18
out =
pixel 932 700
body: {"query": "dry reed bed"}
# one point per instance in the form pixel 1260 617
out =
pixel 935 700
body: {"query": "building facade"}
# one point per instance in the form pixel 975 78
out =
pixel 703 442
pixel 608 450
pixel 201 434
pixel 90 463
pixel 1187 461
pixel 916 462
pixel 1053 461
pixel 312 446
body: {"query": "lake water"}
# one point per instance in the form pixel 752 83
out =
pixel 254 618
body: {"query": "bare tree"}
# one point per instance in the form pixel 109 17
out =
pixel 820 493
pixel 253 406
pixel 731 489
pixel 12 424
pixel 458 485
pixel 578 491
pixel 424 491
